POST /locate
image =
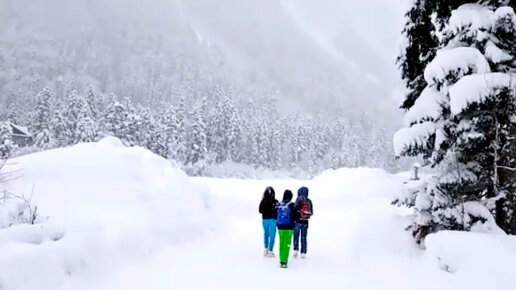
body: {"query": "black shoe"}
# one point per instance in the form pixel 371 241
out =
pixel 283 265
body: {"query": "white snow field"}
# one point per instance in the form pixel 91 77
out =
pixel 123 218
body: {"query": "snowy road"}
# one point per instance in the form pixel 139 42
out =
pixel 345 250
pixel 126 219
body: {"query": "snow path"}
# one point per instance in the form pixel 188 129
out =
pixel 342 253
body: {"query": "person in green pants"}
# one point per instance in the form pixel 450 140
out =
pixel 285 222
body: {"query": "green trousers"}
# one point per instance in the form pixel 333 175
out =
pixel 285 240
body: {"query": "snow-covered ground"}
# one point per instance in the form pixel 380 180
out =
pixel 123 218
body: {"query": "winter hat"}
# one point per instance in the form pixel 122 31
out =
pixel 303 191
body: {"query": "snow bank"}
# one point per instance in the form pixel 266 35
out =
pixel 105 203
pixel 476 88
pixel 463 60
pixel 15 210
pixel 361 182
pixel 472 254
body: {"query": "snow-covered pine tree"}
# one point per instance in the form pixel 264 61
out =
pixel 234 129
pixel 166 120
pixel 12 114
pixel 58 129
pixel 42 119
pixel 180 119
pixel 275 146
pixel 121 120
pixel 263 137
pixel 458 123
pixel 420 46
pixel 483 109
pixel 95 102
pixel 86 128
pixel 152 133
pixel 196 153
pixel 115 120
pixel 80 126
pixel 225 130
pixel 6 142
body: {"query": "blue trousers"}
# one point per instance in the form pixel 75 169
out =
pixel 300 231
pixel 269 233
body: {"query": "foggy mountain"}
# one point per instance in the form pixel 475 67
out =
pixel 308 56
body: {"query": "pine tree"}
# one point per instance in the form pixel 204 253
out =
pixel 42 119
pixel 80 125
pixel 421 43
pixel 121 120
pixel 224 131
pixel 465 109
pixel 12 115
pixel 197 137
pixel 95 103
pixel 181 138
pixel 7 145
pixel 58 129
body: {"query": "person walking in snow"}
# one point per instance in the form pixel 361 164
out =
pixel 286 219
pixel 268 210
pixel 304 210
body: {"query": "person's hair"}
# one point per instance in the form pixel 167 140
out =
pixel 268 194
pixel 288 194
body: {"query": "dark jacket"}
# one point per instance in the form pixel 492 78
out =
pixel 287 198
pixel 302 194
pixel 268 209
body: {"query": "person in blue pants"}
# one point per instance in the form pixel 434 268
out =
pixel 269 215
pixel 303 210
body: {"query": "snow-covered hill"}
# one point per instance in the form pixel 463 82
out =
pixel 122 218
pixel 331 56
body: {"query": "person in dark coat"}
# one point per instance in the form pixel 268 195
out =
pixel 286 219
pixel 268 210
pixel 304 210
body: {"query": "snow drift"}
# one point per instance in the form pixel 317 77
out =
pixel 104 204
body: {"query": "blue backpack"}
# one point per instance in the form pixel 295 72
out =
pixel 283 214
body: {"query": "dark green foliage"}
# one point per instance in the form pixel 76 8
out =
pixel 419 34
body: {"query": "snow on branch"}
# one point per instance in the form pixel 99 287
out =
pixel 505 12
pixel 476 88
pixel 506 168
pixel 416 135
pixel 427 106
pixel 462 60
pixel 473 17
pixel 495 54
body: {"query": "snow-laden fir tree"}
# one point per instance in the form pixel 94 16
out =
pixel 196 149
pixel 58 128
pixel 12 114
pixel 461 123
pixel 42 119
pixel 95 102
pixel 166 119
pixel 420 46
pixel 80 125
pixel 120 121
pixel 152 133
pixel 180 119
pixel 7 145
